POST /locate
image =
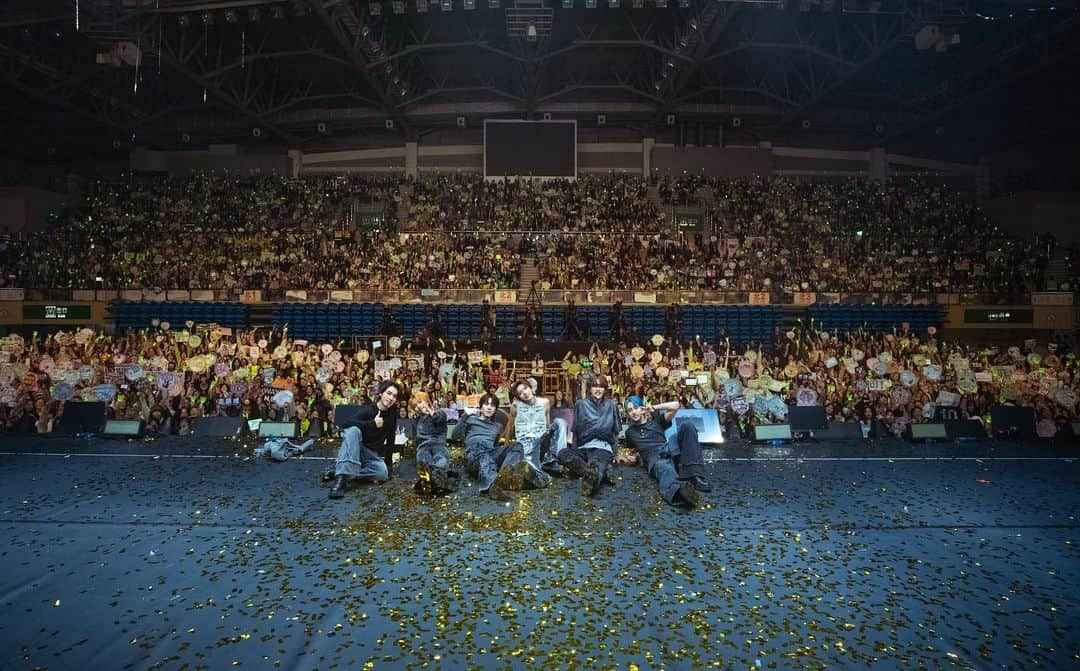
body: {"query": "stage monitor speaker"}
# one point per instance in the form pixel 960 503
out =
pixel 123 427
pixel 217 427
pixel 927 431
pixel 965 429
pixel 82 417
pixel 277 430
pixel 1012 421
pixel 807 418
pixel 766 432
pixel 839 431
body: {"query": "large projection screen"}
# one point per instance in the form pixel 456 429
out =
pixel 537 149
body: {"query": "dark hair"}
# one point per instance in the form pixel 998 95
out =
pixel 489 398
pixel 596 380
pixel 514 387
pixel 386 384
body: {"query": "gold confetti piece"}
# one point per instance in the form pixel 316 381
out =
pixel 56 604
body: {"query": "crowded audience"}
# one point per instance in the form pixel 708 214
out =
pixel 168 379
pixel 460 231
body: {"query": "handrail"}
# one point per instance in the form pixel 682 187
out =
pixel 546 297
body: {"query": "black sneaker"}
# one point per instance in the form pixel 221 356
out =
pixel 590 480
pixel 328 476
pixel 337 490
pixel 688 494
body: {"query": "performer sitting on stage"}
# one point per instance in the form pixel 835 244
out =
pixel 363 438
pixel 676 463
pixel 498 469
pixel 432 460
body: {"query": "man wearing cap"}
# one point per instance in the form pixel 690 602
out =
pixel 676 463
pixel 367 441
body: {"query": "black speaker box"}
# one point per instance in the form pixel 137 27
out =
pixel 1012 421
pixel 217 427
pixel 79 417
pixel 965 429
pixel 807 418
pixel 839 431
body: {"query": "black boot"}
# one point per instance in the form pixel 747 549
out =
pixel 590 480
pixel 337 490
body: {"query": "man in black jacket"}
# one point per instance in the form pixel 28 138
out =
pixel 676 463
pixel 368 441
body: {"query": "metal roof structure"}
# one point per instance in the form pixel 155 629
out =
pixel 106 75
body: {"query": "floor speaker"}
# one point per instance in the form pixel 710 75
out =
pixel 965 429
pixel 804 418
pixel 217 427
pixel 1012 421
pixel 128 428
pixel 767 432
pixel 80 417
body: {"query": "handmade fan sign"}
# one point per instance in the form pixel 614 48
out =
pixel 637 353
pixel 778 407
pixel 746 370
pixel 739 405
pixel 858 354
pixel 662 373
pixel 62 391
pixel 806 397
pixel 721 375
pixel 283 398
pixel 932 372
pixel 394 342
pixel 280 352
pixel 655 358
pixel 885 357
pixel 879 367
pixel 133 372
pixel 657 340
pixel 363 355
pixel 637 372
pixel 831 362
pixel 907 378
pixel 732 388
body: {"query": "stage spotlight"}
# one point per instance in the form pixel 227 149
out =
pixel 398 6
pixel 567 4
pixel 469 4
pixel 207 18
pixel 231 17
pixel 613 4
pixel 184 20
pixel 590 4
pixel 254 14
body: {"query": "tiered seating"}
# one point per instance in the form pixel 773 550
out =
pixel 140 314
pixel 322 321
pixel 877 318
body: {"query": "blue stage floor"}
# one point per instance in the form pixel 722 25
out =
pixel 178 554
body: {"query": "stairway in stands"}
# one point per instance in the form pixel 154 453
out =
pixel 529 274
pixel 1057 270
pixel 404 204
pixel 654 198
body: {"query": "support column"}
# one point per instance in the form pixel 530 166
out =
pixel 647 145
pixel 296 156
pixel 879 163
pixel 411 153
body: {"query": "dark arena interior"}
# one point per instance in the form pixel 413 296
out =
pixel 539 334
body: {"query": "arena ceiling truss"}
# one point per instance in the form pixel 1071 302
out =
pixel 110 74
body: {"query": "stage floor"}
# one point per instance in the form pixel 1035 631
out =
pixel 189 554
